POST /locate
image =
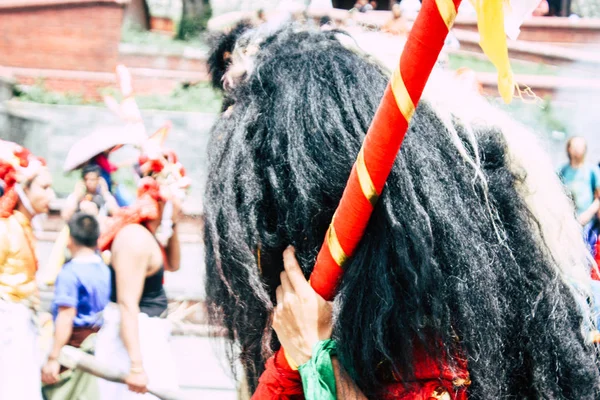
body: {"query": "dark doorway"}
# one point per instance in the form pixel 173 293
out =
pixel 348 4
pixel 343 4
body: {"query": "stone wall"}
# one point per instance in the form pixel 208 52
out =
pixel 49 131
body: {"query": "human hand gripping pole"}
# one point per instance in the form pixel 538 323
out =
pixel 302 318
pixel 382 144
pixel 372 167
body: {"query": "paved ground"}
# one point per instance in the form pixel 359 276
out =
pixel 201 361
pixel 203 369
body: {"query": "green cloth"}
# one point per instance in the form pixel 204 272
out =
pixel 318 378
pixel 74 384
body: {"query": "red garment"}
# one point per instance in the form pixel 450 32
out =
pixel 278 382
pixel 595 275
pixel 104 163
pixel 145 208
pixel 17 164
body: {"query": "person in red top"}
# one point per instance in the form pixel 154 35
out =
pixel 455 290
pixel 135 334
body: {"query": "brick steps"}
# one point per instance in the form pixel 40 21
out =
pixel 545 53
pixel 556 30
pixel 154 57
pixel 90 84
pixel 570 88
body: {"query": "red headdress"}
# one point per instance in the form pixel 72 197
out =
pixel 17 165
pixel 163 177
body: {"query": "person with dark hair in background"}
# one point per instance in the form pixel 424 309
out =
pixel 81 292
pixel 458 288
pixel 135 334
pixel 325 22
pixel 91 195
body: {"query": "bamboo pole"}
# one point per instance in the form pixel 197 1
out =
pixel 72 357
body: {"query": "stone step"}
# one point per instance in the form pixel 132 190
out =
pixel 188 59
pixel 570 88
pixel 545 53
pixel 557 30
pixel 91 84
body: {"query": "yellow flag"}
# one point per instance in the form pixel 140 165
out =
pixel 490 22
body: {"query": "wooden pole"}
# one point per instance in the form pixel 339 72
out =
pixel 72 357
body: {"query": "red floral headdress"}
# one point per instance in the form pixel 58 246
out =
pixel 163 176
pixel 17 165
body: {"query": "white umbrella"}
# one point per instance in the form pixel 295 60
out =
pixel 102 139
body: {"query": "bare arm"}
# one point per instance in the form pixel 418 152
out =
pixel 130 260
pixel 585 217
pixel 173 248
pixel 62 330
pixel 70 206
pixel 110 203
pixel 302 318
pixel 109 200
pixel 62 333
pixel 173 251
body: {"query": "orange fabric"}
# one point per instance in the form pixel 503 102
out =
pixel 18 261
pixel 145 208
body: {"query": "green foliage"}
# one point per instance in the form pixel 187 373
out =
pixel 542 116
pixel 193 98
pixel 191 26
pixel 481 64
pixel 200 97
pixel 63 184
pixel 38 93
pixel 132 34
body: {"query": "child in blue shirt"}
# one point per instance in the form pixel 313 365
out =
pixel 82 290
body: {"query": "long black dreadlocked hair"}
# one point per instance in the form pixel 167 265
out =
pixel 450 262
pixel 222 45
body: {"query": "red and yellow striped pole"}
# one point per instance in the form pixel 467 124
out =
pixel 382 142
pixel 380 147
pixel 374 163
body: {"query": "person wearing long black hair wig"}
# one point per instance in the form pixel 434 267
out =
pixel 466 261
